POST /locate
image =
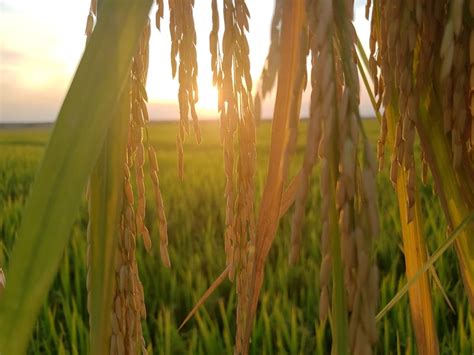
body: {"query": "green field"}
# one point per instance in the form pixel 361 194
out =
pixel 287 320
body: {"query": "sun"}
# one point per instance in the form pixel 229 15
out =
pixel 206 107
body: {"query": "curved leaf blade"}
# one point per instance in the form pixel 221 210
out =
pixel 73 149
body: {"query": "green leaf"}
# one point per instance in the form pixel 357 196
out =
pixel 441 249
pixel 74 147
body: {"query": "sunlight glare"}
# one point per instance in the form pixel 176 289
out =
pixel 206 107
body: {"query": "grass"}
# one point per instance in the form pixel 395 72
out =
pixel 287 321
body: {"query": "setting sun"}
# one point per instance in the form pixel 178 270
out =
pixel 207 105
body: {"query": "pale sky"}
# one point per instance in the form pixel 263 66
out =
pixel 41 43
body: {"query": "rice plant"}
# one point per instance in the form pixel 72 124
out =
pixel 419 75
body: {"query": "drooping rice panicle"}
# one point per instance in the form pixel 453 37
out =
pixel 129 305
pixel 453 79
pixel 160 209
pixel 432 88
pixel 360 230
pixel 324 103
pixel 295 105
pixel 401 97
pixel 91 18
pixel 183 45
pixel 396 55
pixel 232 77
pixel 160 11
pixel 272 62
pixel 216 60
pixel 349 208
pixel 311 151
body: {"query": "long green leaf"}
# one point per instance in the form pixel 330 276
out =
pixel 436 255
pixel 73 149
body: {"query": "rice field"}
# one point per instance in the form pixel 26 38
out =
pixel 287 320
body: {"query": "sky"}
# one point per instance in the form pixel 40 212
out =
pixel 41 43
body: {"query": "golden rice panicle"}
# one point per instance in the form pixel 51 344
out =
pixel 272 62
pixel 357 207
pixel 129 306
pixel 216 65
pixel 139 120
pixel 214 44
pixel 453 79
pixel 395 55
pixel 378 82
pixel 311 150
pixel 348 186
pixel 229 123
pixel 160 209
pixel 296 97
pixel 383 83
pixel 159 13
pixel 362 277
pixel 183 43
pixel 402 50
pixel 324 96
pixel 237 115
pixel 379 86
pixel 231 75
pixel 91 18
pixel 244 224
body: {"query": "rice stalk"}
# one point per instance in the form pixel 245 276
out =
pixel 414 248
pixel 293 18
